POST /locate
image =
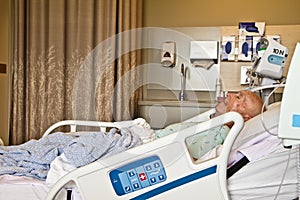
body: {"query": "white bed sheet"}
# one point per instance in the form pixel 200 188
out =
pixel 27 188
pixel 20 187
pixel 260 179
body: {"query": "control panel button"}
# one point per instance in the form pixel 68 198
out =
pixel 131 173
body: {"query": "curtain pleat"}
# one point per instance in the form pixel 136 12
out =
pixel 65 64
pixel 126 95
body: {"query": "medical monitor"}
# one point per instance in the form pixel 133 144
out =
pixel 289 119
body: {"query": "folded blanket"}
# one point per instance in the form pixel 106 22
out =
pixel 34 157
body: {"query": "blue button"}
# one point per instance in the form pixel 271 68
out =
pixel 161 177
pixel 153 180
pixel 131 173
pixel 136 186
pixel 156 165
pixel 148 168
pixel 127 189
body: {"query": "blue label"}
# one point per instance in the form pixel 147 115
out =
pixel 296 121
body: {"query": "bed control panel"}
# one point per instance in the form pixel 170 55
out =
pixel 137 175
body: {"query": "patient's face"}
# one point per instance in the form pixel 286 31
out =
pixel 247 103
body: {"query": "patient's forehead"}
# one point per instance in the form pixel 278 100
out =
pixel 251 99
pixel 249 94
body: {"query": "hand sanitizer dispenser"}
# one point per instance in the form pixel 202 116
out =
pixel 168 54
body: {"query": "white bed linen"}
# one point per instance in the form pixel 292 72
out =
pixel 260 179
pixel 27 188
pixel 20 187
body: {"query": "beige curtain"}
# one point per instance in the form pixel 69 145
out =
pixel 64 63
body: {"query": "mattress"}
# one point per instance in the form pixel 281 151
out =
pixel 25 188
pixel 20 187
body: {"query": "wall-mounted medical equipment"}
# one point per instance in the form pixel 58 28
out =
pixel 271 64
pixel 168 54
pixel 204 53
pixel 289 120
pixel 257 50
pixel 268 66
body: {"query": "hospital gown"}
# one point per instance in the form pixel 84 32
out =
pixel 200 143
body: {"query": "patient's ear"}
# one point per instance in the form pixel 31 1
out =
pixel 246 117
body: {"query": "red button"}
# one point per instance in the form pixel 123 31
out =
pixel 142 176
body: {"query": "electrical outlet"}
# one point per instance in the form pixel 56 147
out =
pixel 244 78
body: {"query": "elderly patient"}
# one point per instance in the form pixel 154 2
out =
pixel 246 103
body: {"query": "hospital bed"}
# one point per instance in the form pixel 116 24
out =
pixel 180 175
pixel 164 169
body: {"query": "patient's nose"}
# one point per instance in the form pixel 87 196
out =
pixel 229 94
pixel 221 99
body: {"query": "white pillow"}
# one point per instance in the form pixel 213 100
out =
pixel 254 126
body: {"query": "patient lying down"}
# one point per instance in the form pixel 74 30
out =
pixel 247 103
pixel 33 158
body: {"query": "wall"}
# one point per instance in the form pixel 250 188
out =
pixel 4 8
pixel 171 13
pixel 175 13
pixel 195 76
pixel 280 18
pixel 230 71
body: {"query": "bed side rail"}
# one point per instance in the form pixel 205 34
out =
pixel 171 149
pixel 73 124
